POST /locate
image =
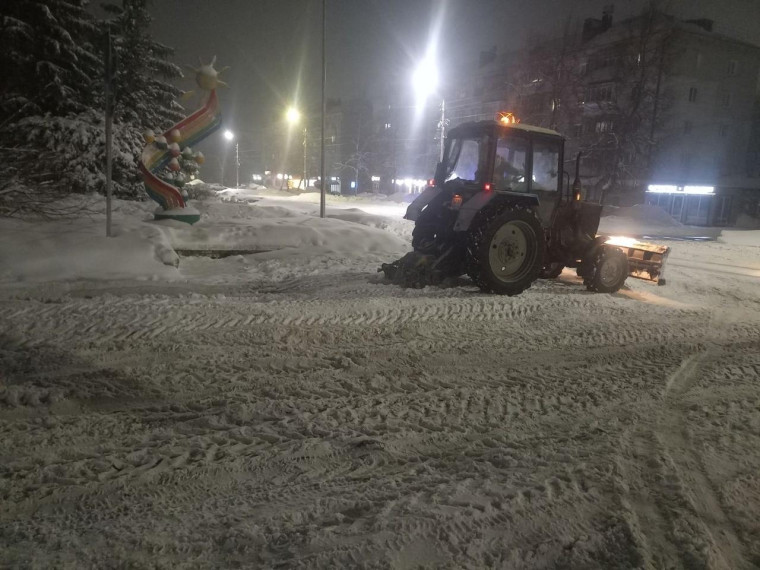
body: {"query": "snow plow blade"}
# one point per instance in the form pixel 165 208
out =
pixel 414 270
pixel 645 260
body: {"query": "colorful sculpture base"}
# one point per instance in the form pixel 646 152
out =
pixel 187 215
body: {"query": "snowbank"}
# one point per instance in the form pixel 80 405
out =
pixel 144 249
pixel 34 251
pixel 740 237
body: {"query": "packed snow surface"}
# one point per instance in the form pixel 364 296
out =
pixel 290 409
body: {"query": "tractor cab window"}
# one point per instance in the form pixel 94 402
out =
pixel 510 163
pixel 465 159
pixel 545 166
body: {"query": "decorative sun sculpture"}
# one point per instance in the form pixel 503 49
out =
pixel 207 77
pixel 168 161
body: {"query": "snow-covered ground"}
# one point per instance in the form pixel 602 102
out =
pixel 290 409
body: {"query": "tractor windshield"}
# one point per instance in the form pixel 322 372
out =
pixel 510 164
pixel 546 166
pixel 466 158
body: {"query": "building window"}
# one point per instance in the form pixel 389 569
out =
pixel 726 100
pixel 692 94
pixel 723 130
pixel 687 127
pixel 604 126
pixel 601 93
pixel 387 126
pixel 578 131
pixel 732 65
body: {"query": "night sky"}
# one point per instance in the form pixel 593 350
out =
pixel 273 46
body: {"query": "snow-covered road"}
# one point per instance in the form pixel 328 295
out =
pixel 341 422
pixel 292 410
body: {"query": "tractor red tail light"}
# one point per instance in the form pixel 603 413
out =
pixel 487 186
pixel 456 201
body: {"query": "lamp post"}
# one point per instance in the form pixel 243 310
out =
pixel 293 116
pixel 229 135
pixel 425 82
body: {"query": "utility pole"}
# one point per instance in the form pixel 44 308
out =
pixel 322 178
pixel 305 179
pixel 237 166
pixel 443 125
pixel 109 73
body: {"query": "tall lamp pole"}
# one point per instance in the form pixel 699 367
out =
pixel 229 135
pixel 324 112
pixel 443 126
pixel 293 116
pixel 425 81
pixel 305 179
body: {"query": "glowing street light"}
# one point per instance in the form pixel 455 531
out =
pixel 293 115
pixel 425 79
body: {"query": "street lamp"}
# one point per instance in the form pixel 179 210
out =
pixel 293 116
pixel 229 135
pixel 425 82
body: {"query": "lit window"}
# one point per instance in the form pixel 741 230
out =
pixel 692 94
pixel 604 126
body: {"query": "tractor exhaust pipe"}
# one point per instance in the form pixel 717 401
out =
pixel 577 182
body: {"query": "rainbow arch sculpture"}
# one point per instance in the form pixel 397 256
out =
pixel 165 156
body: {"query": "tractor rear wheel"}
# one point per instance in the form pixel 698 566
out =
pixel 508 252
pixel 608 270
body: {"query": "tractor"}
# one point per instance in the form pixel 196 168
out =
pixel 501 210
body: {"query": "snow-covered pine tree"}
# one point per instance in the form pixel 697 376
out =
pixel 145 97
pixel 51 102
pixel 48 59
pixel 51 68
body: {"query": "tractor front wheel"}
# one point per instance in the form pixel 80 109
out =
pixel 608 270
pixel 551 270
pixel 509 252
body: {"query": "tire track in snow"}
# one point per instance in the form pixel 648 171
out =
pixel 674 505
pixel 206 313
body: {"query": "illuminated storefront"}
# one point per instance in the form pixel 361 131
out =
pixel 692 205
